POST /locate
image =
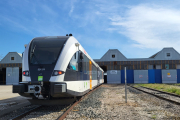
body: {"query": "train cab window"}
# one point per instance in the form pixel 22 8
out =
pixel 73 64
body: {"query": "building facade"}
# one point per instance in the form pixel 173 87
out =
pixel 11 69
pixel 162 67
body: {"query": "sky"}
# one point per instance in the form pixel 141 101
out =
pixel 137 28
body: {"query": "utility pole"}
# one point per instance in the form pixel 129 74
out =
pixel 125 86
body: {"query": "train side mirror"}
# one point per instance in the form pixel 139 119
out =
pixel 81 56
pixel 25 45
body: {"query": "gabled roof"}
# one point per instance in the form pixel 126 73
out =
pixel 107 56
pixel 17 58
pixel 154 55
pixel 162 55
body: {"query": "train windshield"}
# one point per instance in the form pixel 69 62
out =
pixel 45 51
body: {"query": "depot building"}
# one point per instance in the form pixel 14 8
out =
pixel 11 69
pixel 162 67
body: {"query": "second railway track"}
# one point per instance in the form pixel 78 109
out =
pixel 58 112
pixel 160 94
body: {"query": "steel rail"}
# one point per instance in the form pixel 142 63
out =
pixel 62 116
pixel 177 103
pixel 66 113
pixel 26 113
pixel 162 92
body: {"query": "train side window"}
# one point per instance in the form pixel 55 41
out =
pixel 80 61
pixel 75 56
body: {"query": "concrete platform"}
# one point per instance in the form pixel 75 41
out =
pixel 6 92
pixel 10 101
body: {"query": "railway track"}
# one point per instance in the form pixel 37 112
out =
pixel 160 94
pixel 60 111
pixel 26 113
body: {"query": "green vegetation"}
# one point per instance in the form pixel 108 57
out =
pixel 178 84
pixel 163 87
pixel 154 117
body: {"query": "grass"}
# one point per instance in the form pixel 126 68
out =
pixel 177 84
pixel 154 117
pixel 163 87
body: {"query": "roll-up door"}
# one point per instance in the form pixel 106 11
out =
pixel 169 76
pixel 113 76
pixel 12 75
pixel 140 76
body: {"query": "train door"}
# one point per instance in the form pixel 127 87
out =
pixel 90 74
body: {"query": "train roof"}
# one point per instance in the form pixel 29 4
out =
pixel 67 38
pixel 46 37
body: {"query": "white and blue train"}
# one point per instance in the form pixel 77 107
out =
pixel 57 67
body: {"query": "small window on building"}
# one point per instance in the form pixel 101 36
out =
pixel 168 54
pixel 12 58
pixel 113 56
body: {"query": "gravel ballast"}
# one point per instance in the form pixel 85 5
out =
pixel 108 102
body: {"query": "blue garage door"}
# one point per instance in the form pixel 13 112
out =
pixel 178 75
pixel 158 76
pixel 151 75
pixel 122 76
pixel 130 76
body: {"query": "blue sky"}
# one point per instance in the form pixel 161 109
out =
pixel 137 28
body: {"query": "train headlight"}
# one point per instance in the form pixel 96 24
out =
pixel 57 72
pixel 26 73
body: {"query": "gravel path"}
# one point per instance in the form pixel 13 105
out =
pixel 108 102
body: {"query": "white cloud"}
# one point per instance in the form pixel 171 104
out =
pixel 72 9
pixel 14 23
pixel 49 10
pixel 72 4
pixel 149 26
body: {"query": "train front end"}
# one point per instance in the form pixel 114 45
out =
pixel 38 63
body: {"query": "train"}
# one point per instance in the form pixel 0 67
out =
pixel 56 67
